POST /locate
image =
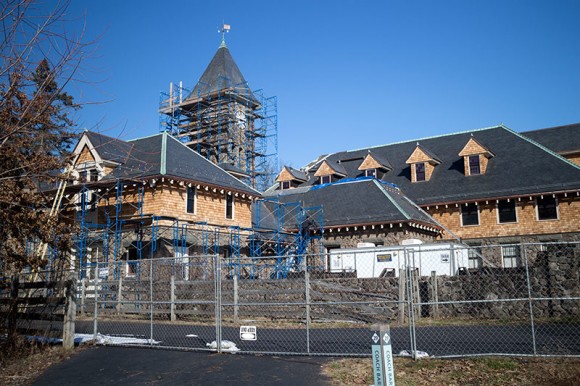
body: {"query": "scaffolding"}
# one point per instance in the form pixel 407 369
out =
pixel 231 126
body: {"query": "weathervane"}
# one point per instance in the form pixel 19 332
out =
pixel 224 28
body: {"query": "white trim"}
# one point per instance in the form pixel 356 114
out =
pixel 518 257
pixel 461 215
pixel 497 212
pixel 85 141
pixel 548 219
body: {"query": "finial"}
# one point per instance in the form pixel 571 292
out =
pixel 225 28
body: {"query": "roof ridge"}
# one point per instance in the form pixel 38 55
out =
pixel 423 139
pixel 542 147
pixel 396 204
pixel 145 137
pixel 105 135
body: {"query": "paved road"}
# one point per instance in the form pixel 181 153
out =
pixel 550 339
pixel 138 366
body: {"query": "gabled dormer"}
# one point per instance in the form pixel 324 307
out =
pixel 374 166
pixel 475 157
pixel 329 172
pixel 290 178
pixel 423 163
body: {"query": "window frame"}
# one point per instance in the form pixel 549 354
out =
pixel 516 257
pixel 471 166
pixel 188 191
pixel 322 178
pixel 474 254
pixel 229 207
pixel 556 209
pixel 497 208
pixel 285 185
pixel 371 173
pixel 462 206
pixel 423 172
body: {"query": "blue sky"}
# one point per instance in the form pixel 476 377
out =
pixel 347 74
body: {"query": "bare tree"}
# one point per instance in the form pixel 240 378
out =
pixel 39 58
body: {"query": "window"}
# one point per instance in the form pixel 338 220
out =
pixel 506 211
pixel 229 206
pixel 474 167
pixel 325 179
pixel 190 205
pixel 93 175
pixel 285 185
pixel 469 214
pixel 547 208
pixel 371 173
pixel 474 257
pixel 511 255
pixel 420 171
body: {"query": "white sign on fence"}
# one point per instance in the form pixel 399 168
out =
pixel 248 333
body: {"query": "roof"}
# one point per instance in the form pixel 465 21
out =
pixel 109 148
pixel 520 167
pixel 382 203
pixel 222 72
pixel 561 139
pixel 297 174
pixel 163 155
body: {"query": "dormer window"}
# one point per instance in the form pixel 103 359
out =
pixel 420 171
pixel 290 178
pixel 374 166
pixel 330 171
pixel 475 157
pixel 422 163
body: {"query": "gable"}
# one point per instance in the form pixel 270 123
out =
pixel 285 175
pixel 370 162
pixel 473 147
pixel 85 156
pixel 421 155
pixel 326 170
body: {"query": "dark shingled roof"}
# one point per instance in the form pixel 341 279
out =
pixel 382 203
pixel 561 139
pixel 163 155
pixel 109 148
pixel 381 160
pixel 222 72
pixel 520 167
pixel 297 174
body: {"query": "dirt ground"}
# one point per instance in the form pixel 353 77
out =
pixel 473 371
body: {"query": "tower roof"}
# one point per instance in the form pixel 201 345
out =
pixel 222 72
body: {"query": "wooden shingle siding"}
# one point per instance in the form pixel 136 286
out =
pixel 527 222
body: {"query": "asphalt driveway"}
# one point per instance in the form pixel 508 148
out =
pixel 141 366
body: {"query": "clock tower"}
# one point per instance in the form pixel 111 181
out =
pixel 225 121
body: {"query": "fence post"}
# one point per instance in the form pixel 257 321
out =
pixel 434 294
pixel 402 292
pixel 236 300
pixel 68 330
pixel 120 293
pixel 531 306
pixel 173 317
pixel 96 310
pixel 83 295
pixel 307 296
pixel 13 313
pixel 417 294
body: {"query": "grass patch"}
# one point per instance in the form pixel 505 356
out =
pixel 472 371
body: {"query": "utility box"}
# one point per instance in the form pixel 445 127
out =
pixel 444 259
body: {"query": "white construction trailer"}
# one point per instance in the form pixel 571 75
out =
pixel 368 261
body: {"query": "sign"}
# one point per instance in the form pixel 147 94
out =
pixel 378 373
pixel 388 356
pixel 385 258
pixel 445 257
pixel 248 333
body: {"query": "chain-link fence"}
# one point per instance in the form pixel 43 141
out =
pixel 442 299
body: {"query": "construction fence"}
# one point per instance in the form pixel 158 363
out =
pixel 445 300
